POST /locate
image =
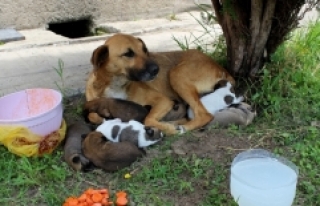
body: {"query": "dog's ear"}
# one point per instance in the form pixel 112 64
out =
pixel 220 83
pixel 144 47
pixel 99 56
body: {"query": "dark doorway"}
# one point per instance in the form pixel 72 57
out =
pixel 72 29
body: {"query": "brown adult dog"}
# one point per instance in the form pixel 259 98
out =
pixel 124 68
pixel 107 155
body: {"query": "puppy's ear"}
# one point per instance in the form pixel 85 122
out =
pixel 99 56
pixel 144 47
pixel 175 105
pixel 220 83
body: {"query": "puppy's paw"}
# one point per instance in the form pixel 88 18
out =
pixel 181 129
pixel 95 118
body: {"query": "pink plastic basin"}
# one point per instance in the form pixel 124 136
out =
pixel 38 109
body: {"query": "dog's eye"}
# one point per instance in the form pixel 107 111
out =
pixel 129 53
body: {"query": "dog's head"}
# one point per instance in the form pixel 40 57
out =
pixel 92 142
pixel 127 55
pixel 153 133
pixel 226 90
pixel 178 111
pixel 99 106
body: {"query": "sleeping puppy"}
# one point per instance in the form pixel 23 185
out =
pixel 238 114
pixel 117 131
pixel 178 112
pixel 107 155
pixel 110 108
pixel 72 151
pixel 219 99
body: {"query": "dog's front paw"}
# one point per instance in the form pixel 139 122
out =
pixel 181 129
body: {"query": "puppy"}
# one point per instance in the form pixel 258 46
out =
pixel 107 155
pixel 219 99
pixel 72 151
pixel 110 108
pixel 117 131
pixel 178 112
pixel 238 114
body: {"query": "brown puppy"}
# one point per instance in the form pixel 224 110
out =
pixel 111 108
pixel 109 156
pixel 177 113
pixel 72 151
pixel 123 68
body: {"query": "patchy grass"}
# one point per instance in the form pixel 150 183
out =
pixel 98 31
pixel 288 124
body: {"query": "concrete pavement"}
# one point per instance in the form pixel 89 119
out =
pixel 30 63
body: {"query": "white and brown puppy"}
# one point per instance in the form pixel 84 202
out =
pixel 219 99
pixel 72 151
pixel 237 114
pixel 133 131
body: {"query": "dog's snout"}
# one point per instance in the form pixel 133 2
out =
pixel 147 73
pixel 153 69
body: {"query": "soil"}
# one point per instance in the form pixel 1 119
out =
pixel 217 144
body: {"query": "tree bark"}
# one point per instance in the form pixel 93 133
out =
pixel 253 29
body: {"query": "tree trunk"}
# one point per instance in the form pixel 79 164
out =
pixel 253 29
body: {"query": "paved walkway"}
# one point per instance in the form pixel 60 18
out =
pixel 30 63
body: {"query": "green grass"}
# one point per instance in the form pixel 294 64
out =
pixel 289 100
pixel 42 178
pixel 60 72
